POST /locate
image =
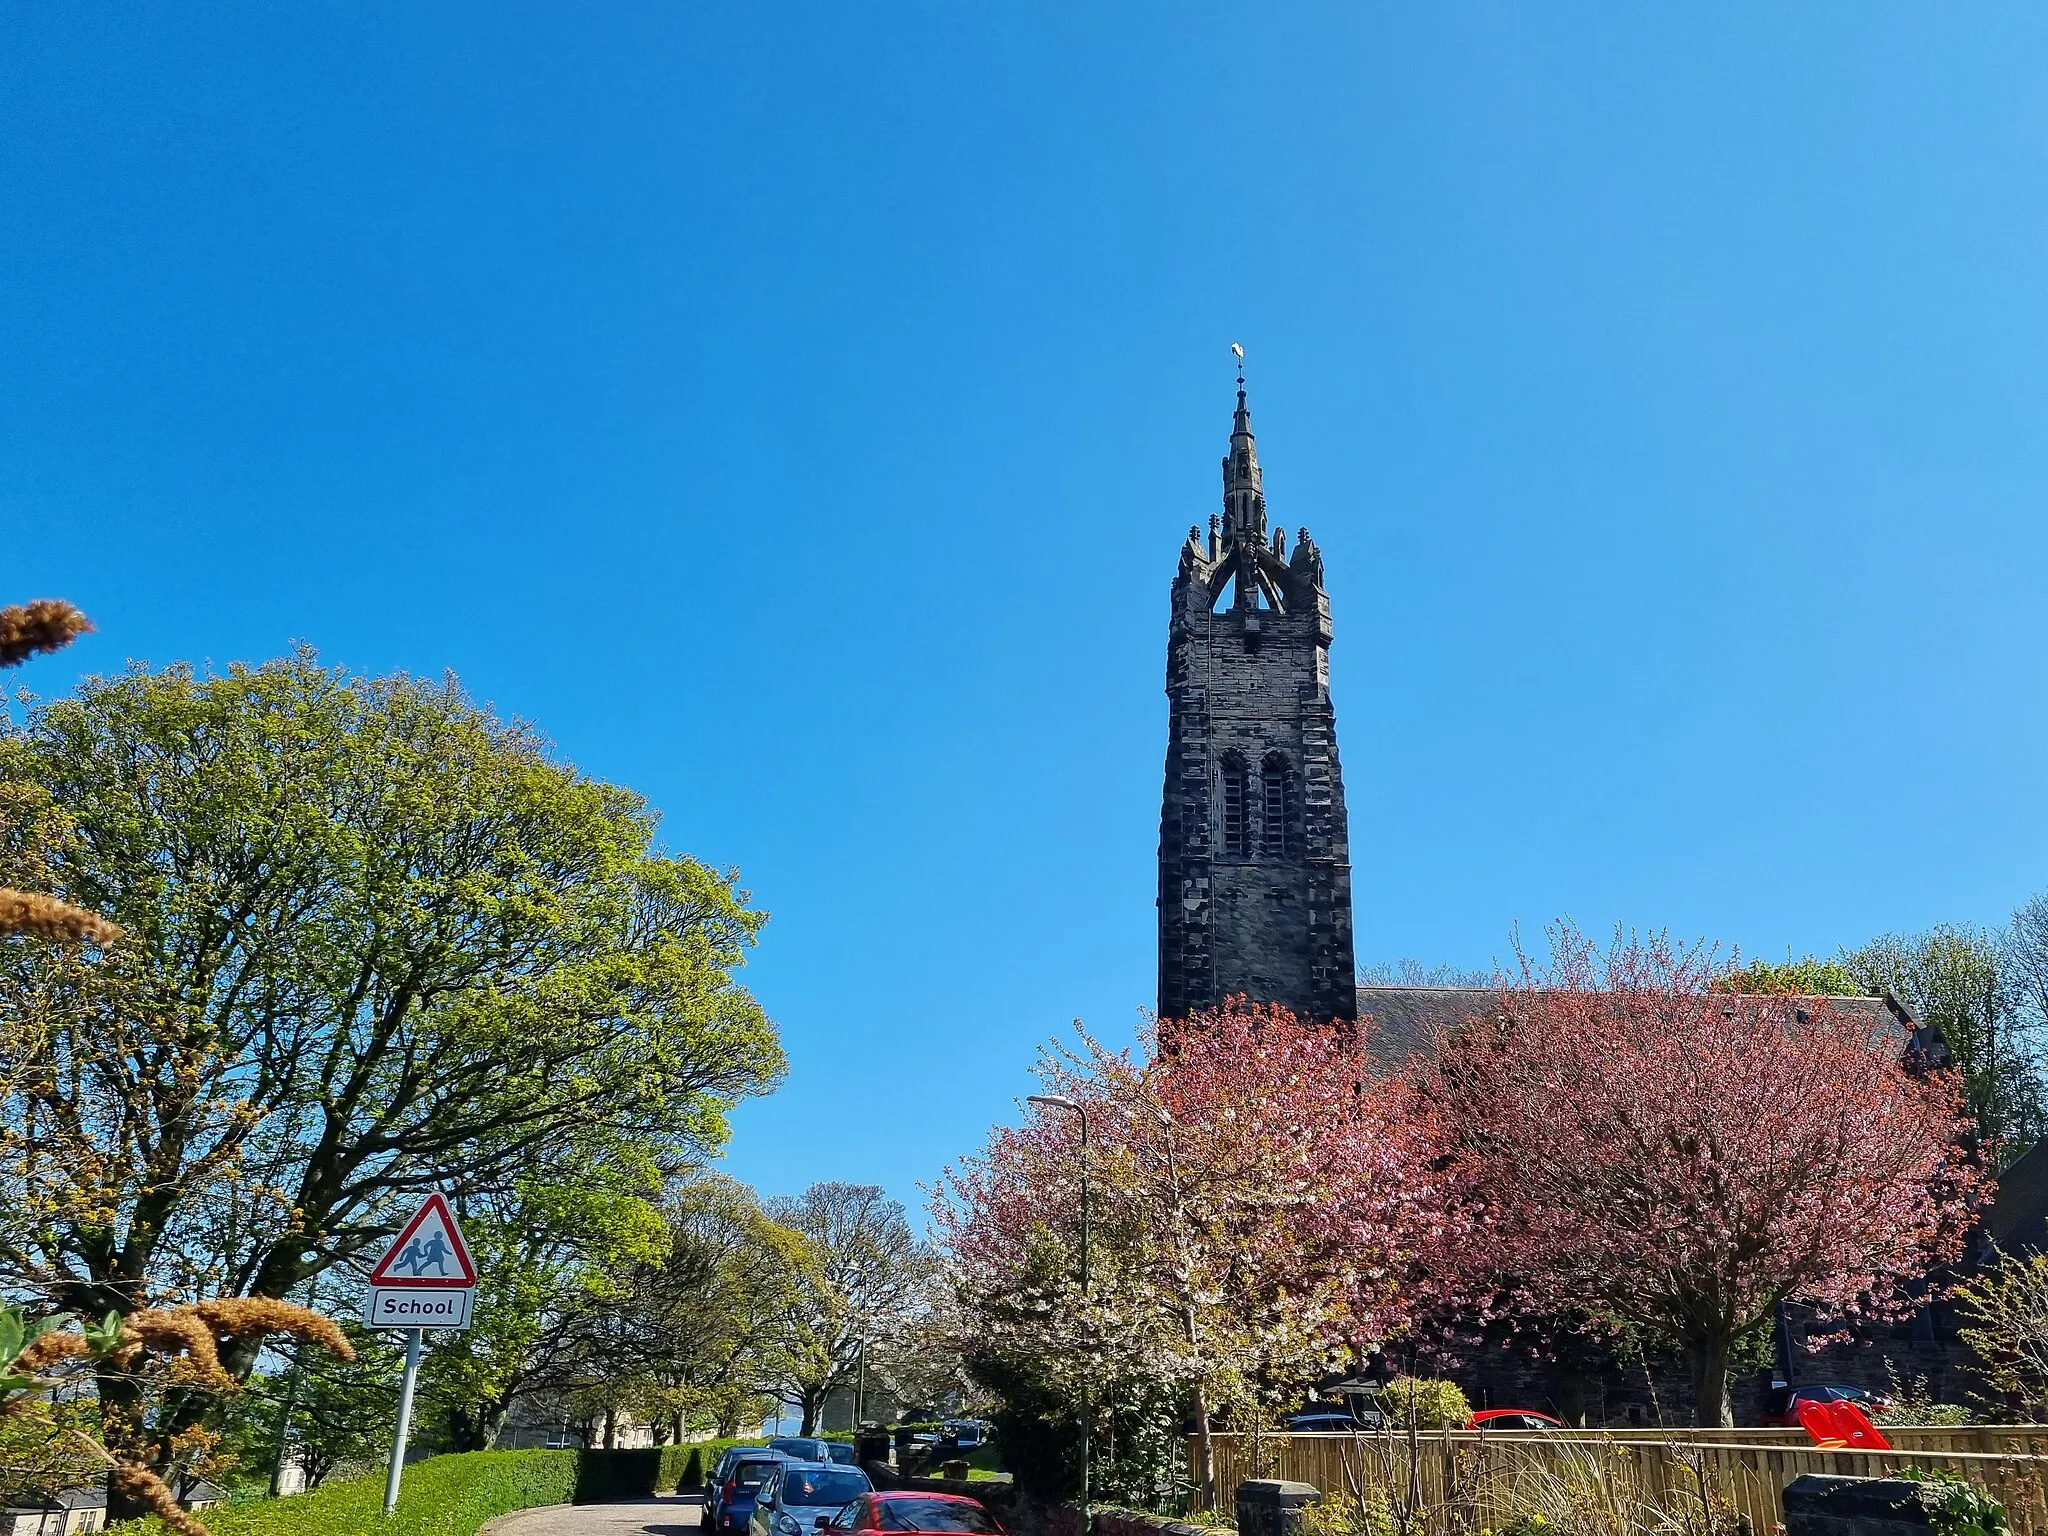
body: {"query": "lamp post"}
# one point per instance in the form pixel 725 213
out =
pixel 860 1386
pixel 1061 1101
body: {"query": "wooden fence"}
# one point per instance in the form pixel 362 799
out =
pixel 1624 1480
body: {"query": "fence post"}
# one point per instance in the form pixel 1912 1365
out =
pixel 1268 1507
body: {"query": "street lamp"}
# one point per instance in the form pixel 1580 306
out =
pixel 1061 1101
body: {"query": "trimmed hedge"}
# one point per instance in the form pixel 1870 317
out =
pixel 442 1496
pixel 711 1450
pixel 640 1473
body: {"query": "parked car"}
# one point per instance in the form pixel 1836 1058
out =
pixel 732 1503
pixel 731 1454
pixel 841 1451
pixel 1322 1421
pixel 1783 1404
pixel 916 1512
pixel 801 1495
pixel 801 1447
pixel 1513 1418
pixel 967 1434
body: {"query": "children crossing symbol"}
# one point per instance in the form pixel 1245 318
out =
pixel 425 1280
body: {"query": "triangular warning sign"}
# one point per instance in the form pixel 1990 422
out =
pixel 428 1252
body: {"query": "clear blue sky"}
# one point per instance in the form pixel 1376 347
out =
pixel 796 411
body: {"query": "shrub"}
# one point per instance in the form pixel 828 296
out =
pixel 1960 1508
pixel 638 1473
pixel 1434 1404
pixel 443 1496
pixel 693 1469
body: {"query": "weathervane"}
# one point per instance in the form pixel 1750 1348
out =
pixel 1238 348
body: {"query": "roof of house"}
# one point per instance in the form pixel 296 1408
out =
pixel 2018 1218
pixel 70 1498
pixel 1407 1019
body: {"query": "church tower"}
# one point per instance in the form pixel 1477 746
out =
pixel 1254 857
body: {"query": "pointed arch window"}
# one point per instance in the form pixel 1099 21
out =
pixel 1276 786
pixel 1235 842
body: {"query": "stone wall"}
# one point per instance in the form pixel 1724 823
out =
pixel 1923 1350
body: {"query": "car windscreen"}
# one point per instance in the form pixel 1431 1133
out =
pixel 937 1515
pixel 804 1486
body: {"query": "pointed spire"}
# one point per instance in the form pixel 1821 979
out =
pixel 1244 499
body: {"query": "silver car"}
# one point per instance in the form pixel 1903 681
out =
pixel 803 1495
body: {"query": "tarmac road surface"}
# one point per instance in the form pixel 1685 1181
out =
pixel 671 1516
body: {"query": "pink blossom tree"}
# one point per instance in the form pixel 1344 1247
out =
pixel 1631 1143
pixel 1257 1200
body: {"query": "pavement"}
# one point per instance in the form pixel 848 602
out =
pixel 674 1515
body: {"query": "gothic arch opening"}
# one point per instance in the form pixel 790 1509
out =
pixel 1276 806
pixel 1236 804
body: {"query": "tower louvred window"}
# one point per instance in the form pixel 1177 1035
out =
pixel 1273 821
pixel 1233 811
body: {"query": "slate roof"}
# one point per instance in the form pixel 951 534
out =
pixel 94 1497
pixel 2018 1218
pixel 1406 1019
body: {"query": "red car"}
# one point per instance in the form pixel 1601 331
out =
pixel 1513 1418
pixel 915 1512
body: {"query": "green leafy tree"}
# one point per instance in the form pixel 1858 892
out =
pixel 1804 977
pixel 869 1279
pixel 549 1306
pixel 334 1415
pixel 1955 977
pixel 377 941
pixel 709 1317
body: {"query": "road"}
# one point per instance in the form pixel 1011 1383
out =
pixel 672 1516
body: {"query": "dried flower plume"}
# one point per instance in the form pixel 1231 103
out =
pixel 45 917
pixel 47 624
pixel 150 1491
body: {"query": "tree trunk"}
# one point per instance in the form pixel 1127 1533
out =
pixel 812 1407
pixel 611 1428
pixel 1205 1449
pixel 1709 1359
pixel 121 1402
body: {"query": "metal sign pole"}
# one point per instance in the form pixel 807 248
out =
pixel 404 1429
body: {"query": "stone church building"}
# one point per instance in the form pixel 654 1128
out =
pixel 1255 898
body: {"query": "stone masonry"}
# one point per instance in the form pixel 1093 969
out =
pixel 1254 853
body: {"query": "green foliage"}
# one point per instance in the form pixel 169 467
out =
pixel 444 1496
pixel 603 1476
pixel 1036 1423
pixel 340 1418
pixel 1960 1507
pixel 2004 1313
pixel 1434 1404
pixel 1807 976
pixel 1954 978
pixel 17 1332
pixel 1914 1404
pixel 48 1447
pixel 379 940
pixel 694 1469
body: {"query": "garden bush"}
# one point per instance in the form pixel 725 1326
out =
pixel 1435 1404
pixel 639 1473
pixel 442 1496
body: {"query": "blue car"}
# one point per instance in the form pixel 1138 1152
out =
pixel 732 1502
